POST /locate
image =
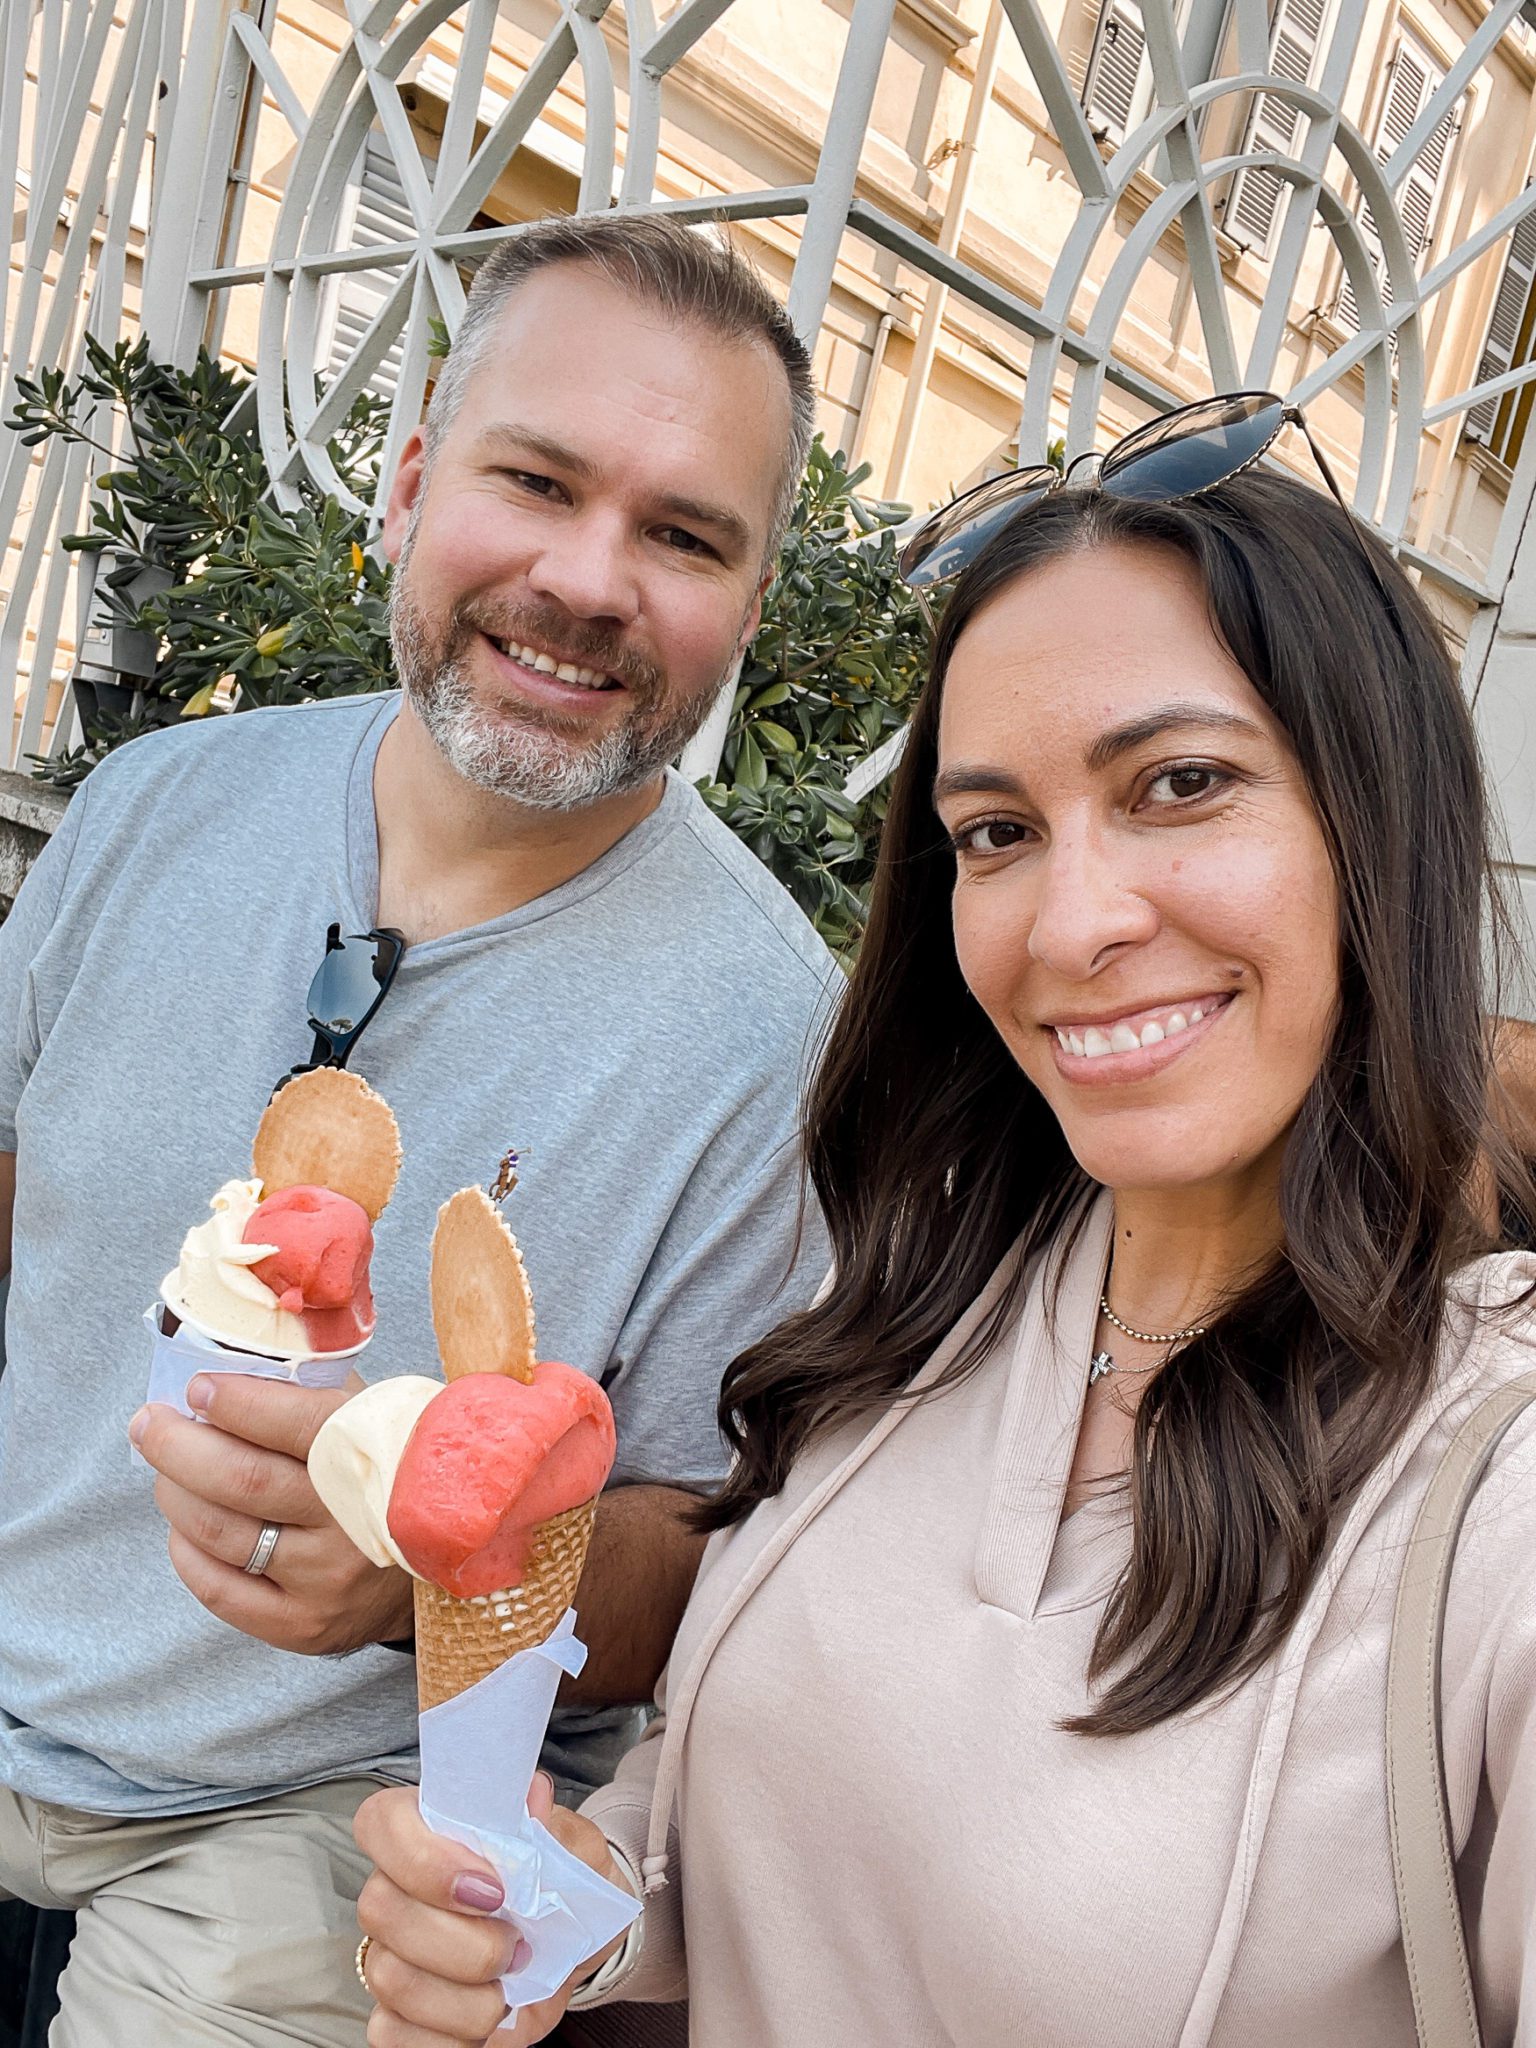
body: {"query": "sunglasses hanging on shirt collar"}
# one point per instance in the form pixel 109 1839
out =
pixel 349 985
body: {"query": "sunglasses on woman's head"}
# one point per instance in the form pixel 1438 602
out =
pixel 1177 456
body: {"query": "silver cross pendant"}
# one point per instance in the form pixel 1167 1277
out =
pixel 1100 1367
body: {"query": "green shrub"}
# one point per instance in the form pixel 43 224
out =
pixel 831 673
pixel 252 604
pixel 286 605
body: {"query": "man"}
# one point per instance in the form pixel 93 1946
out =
pixel 595 972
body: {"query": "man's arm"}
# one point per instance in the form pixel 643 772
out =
pixel 1513 1090
pixel 7 1207
pixel 1511 1111
pixel 638 1575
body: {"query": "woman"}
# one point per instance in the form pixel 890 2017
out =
pixel 1034 1688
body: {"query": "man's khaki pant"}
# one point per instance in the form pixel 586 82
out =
pixel 201 1929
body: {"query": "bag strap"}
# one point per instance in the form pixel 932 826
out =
pixel 1423 1854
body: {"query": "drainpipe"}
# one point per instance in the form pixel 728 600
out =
pixel 926 346
pixel 866 394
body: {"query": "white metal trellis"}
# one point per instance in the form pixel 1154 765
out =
pixel 152 88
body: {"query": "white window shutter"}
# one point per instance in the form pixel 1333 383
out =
pixel 1114 69
pixel 1413 79
pixel 383 214
pixel 1253 202
pixel 1509 337
pixel 1084 49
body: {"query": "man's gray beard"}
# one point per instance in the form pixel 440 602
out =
pixel 530 763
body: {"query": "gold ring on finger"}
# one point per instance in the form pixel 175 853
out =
pixel 360 1963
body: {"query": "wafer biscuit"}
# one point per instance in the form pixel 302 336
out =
pixel 328 1129
pixel 482 1307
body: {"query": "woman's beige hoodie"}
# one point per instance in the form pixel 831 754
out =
pixel 863 1814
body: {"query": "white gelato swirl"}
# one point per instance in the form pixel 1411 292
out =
pixel 356 1453
pixel 213 1286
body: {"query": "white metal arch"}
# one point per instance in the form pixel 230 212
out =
pixel 1074 346
pixel 97 72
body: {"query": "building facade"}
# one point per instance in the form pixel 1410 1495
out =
pixel 1007 225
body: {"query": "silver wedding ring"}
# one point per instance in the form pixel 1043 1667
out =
pixel 266 1543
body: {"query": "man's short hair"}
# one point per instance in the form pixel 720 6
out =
pixel 665 264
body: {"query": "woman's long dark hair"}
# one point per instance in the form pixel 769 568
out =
pixel 931 1154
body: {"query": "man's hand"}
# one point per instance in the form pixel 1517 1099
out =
pixel 434 1959
pixel 222 1479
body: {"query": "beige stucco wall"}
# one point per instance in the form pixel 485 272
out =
pixel 748 107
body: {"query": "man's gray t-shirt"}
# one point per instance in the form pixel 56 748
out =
pixel 640 1035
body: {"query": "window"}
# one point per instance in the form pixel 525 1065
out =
pixel 1115 92
pixel 1117 83
pixel 380 213
pixel 1253 200
pixel 1499 423
pixel 1412 80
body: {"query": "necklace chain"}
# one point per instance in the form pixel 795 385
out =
pixel 1148 1336
pixel 1102 1363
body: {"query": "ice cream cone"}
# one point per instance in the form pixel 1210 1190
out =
pixel 468 1489
pixel 459 1642
pixel 483 1315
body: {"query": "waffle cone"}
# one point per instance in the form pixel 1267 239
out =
pixel 459 1642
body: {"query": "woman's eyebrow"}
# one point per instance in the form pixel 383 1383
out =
pixel 967 777
pixel 1152 725
pixel 972 777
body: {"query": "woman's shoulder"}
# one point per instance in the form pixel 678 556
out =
pixel 1489 1333
pixel 1489 1345
pixel 1488 1658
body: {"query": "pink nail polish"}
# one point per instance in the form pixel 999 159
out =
pixel 522 1956
pixel 480 1894
pixel 200 1394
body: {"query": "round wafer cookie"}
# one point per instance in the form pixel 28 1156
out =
pixel 328 1129
pixel 482 1307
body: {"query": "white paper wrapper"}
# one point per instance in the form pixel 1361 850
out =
pixel 478 1756
pixel 175 1360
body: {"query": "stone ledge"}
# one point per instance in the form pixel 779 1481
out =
pixel 29 813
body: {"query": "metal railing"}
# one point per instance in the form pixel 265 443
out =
pixel 129 132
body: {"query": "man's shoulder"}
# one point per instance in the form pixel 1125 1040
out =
pixel 245 752
pixel 758 922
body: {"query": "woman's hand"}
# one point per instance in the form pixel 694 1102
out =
pixel 436 1958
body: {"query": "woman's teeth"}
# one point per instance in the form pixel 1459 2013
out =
pixel 1093 1043
pixel 562 671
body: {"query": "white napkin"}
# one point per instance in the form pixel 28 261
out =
pixel 478 1756
pixel 175 1360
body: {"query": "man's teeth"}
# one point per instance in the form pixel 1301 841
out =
pixel 1093 1043
pixel 562 671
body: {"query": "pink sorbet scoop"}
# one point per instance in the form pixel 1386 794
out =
pixel 490 1458
pixel 320 1268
